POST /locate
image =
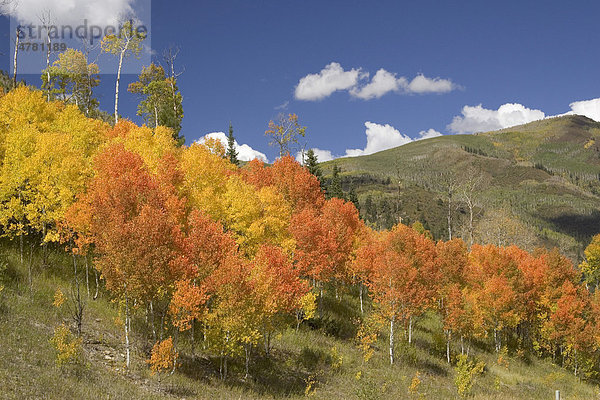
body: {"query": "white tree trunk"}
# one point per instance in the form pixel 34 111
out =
pixel 127 358
pixel 360 292
pixel 48 60
pixel 87 276
pixel 392 340
pixel 15 58
pixel 117 86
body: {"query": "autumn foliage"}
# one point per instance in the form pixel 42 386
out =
pixel 230 256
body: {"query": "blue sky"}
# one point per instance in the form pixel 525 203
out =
pixel 243 59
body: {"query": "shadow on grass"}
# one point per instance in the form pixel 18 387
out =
pixel 432 368
pixel 339 317
pixel 578 225
pixel 274 376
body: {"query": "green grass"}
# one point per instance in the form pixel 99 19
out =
pixel 322 354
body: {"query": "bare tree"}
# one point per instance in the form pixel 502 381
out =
pixel 170 56
pixel 88 98
pixel 46 21
pixel 8 7
pixel 472 181
pixel 449 184
pixel 400 186
pixel 503 228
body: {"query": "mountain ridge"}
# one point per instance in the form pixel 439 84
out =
pixel 544 175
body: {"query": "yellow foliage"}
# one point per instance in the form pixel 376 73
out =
pixel 257 218
pixel 591 266
pixel 309 390
pixel 59 298
pixel 46 151
pixel 589 143
pixel 67 346
pixel 205 178
pixel 150 144
pixel 308 305
pixel 415 384
pixel 336 359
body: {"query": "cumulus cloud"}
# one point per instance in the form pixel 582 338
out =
pixel 428 134
pixel 331 79
pixel 245 152
pixel 322 155
pixel 422 84
pixel 479 119
pixel 379 137
pixel 96 12
pixel 334 78
pixel 589 108
pixel 383 82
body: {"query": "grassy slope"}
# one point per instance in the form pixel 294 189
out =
pixel 561 200
pixel 27 368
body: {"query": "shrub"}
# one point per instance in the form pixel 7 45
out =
pixel 68 347
pixel 465 374
pixel 163 356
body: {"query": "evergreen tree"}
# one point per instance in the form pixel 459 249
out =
pixel 370 209
pixel 312 163
pixel 335 185
pixel 353 198
pixel 231 153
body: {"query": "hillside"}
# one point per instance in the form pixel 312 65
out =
pixel 320 361
pixel 545 174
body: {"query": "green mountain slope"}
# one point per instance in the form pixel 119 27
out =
pixel 543 175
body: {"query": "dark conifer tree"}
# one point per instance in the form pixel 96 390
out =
pixel 231 153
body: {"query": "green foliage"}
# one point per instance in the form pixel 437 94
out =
pixel 231 153
pixel 72 80
pixel 160 99
pixel 557 202
pixel 312 163
pixel 334 188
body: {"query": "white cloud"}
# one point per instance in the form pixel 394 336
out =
pixel 331 79
pixel 334 78
pixel 479 119
pixel 63 12
pixel 245 152
pixel 589 108
pixel 322 155
pixel 428 134
pixel 422 84
pixel 283 106
pixel 383 82
pixel 379 137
